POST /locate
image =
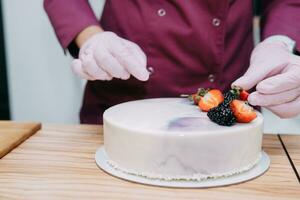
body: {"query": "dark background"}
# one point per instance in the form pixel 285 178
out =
pixel 4 105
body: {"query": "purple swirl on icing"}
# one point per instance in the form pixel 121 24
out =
pixel 192 124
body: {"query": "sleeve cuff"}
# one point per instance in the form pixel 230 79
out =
pixel 274 28
pixel 288 42
pixel 69 18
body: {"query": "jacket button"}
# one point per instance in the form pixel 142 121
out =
pixel 161 12
pixel 211 78
pixel 216 22
pixel 150 70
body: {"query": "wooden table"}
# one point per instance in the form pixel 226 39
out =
pixel 58 163
pixel 292 147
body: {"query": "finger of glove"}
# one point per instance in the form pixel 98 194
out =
pixel 76 67
pixel 260 99
pixel 285 81
pixel 295 59
pixel 90 66
pixel 287 110
pixel 257 71
pixel 132 58
pixel 110 64
pixel 136 50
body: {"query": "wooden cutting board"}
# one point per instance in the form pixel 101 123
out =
pixel 14 133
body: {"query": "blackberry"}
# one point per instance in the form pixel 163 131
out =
pixel 229 96
pixel 222 115
pixel 232 94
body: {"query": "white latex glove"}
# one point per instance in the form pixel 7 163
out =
pixel 275 72
pixel 105 56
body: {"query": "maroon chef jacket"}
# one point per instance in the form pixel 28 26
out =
pixel 188 43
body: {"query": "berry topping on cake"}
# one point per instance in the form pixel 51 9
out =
pixel 244 95
pixel 226 109
pixel 234 108
pixel 192 97
pixel 243 112
pixel 195 98
pixel 232 94
pixel 209 99
pixel 235 93
pixel 222 115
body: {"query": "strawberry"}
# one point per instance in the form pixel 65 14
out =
pixel 195 98
pixel 192 97
pixel 210 99
pixel 244 95
pixel 242 111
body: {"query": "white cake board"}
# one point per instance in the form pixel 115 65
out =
pixel 261 167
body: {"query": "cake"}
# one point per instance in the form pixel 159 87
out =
pixel 171 139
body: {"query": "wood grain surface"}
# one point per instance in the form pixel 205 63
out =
pixel 14 133
pixel 292 145
pixel 58 163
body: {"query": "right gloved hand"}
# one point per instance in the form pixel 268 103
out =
pixel 105 56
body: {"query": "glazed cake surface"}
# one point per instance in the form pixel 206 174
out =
pixel 169 138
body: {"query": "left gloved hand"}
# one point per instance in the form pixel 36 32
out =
pixel 275 72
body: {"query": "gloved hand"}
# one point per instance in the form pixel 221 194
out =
pixel 275 72
pixel 105 56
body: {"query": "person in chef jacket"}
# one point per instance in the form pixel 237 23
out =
pixel 185 45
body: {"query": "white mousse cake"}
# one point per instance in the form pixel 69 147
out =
pixel 169 138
